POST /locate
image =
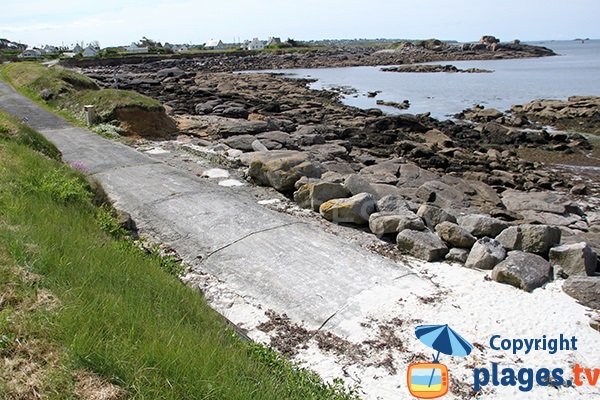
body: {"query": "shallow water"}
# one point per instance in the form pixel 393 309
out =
pixel 575 72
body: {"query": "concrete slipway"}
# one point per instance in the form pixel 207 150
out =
pixel 250 260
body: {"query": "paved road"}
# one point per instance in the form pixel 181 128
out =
pixel 279 262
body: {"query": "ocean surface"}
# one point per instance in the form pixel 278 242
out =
pixel 576 71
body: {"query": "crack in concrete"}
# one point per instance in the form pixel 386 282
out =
pixel 247 236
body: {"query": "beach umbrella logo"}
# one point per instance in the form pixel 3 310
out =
pixel 430 380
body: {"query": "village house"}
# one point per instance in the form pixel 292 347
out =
pixel 32 53
pixel 90 52
pixel 77 49
pixel 255 44
pixel 50 50
pixel 214 44
pixel 135 49
pixel 273 41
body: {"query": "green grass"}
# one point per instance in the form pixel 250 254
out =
pixel 67 91
pixel 122 314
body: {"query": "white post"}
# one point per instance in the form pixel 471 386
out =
pixel 89 114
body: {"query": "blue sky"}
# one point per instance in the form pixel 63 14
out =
pixel 114 22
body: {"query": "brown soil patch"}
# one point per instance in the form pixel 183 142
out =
pixel 136 121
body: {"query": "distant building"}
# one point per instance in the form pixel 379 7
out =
pixel 90 52
pixel 214 44
pixel 273 41
pixel 77 49
pixel 255 44
pixel 180 48
pixel 32 53
pixel 135 49
pixel 50 50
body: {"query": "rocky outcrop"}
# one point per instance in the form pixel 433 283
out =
pixel 577 112
pixel 485 254
pixel 523 270
pixel 574 259
pixel 423 245
pixel 354 210
pixel 431 68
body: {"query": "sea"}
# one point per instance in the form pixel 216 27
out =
pixel 575 71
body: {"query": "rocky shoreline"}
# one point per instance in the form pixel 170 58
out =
pixel 488 48
pixel 428 68
pixel 454 190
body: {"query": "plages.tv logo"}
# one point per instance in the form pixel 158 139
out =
pixel 431 380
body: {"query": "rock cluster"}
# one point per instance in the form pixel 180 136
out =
pixel 429 68
pixel 577 112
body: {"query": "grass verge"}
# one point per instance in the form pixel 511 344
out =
pixel 116 314
pixel 67 92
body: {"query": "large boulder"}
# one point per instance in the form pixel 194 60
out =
pixel 359 184
pixel 434 215
pixel 525 271
pixel 392 203
pixel 281 169
pixel 585 289
pixel 411 175
pixel 549 202
pixel 574 259
pixel 423 245
pixel 410 220
pixel 382 223
pixel 355 209
pixel 454 235
pixel 537 239
pixel 441 194
pixel 480 225
pixel 312 195
pixel 485 254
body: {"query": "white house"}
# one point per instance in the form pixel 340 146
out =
pixel 135 49
pixel 214 44
pixel 32 53
pixel 90 52
pixel 255 44
pixel 180 48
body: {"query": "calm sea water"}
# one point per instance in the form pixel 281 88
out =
pixel 575 72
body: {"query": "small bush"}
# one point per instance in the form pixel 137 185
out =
pixel 65 188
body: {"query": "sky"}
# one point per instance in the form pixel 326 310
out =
pixel 120 22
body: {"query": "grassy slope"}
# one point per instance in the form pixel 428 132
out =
pixel 69 91
pixel 121 316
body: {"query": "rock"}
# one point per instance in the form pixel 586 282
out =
pixel 281 169
pixel 511 238
pixel 422 245
pixel 485 254
pixel 579 189
pixel 410 220
pixel 523 270
pixel 538 239
pixel 411 175
pixel 544 218
pixel 549 202
pixel 235 112
pixel 574 259
pixel 434 215
pixel 480 225
pixel 382 223
pixel 355 209
pixel 584 289
pixel 125 221
pixel 243 127
pixel 312 195
pixel 441 194
pixel 457 255
pixel 454 235
pixel 358 184
pixel 258 146
pixel 392 203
